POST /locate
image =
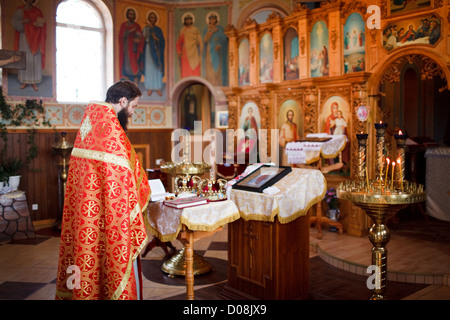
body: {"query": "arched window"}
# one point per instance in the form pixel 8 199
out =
pixel 80 52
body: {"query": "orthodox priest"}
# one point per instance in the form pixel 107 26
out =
pixel 102 231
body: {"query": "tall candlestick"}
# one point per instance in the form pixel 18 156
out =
pixel 400 140
pixel 361 161
pixel 380 147
pixel 400 170
pixel 392 175
pixel 387 169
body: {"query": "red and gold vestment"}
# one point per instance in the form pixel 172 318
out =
pixel 102 231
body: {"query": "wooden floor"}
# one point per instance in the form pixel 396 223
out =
pixel 419 269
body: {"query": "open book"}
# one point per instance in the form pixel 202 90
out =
pixel 158 190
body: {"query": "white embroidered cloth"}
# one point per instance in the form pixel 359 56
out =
pixel 165 222
pixel 308 152
pixel 299 191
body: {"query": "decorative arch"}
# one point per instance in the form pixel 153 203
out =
pixel 220 99
pixel 257 6
pixel 433 65
pixel 428 66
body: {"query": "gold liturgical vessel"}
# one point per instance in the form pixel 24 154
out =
pixel 381 198
pixel 185 171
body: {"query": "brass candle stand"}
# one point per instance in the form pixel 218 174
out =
pixel 64 149
pixel 380 200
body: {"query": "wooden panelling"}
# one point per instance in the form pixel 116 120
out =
pixel 268 260
pixel 41 179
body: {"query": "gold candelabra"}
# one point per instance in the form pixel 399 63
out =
pixel 185 166
pixel 64 149
pixel 380 198
pixel 184 172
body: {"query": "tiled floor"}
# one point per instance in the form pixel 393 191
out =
pixel 28 271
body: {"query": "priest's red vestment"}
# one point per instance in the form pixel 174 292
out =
pixel 102 231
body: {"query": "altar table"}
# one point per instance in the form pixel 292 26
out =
pixel 307 152
pixel 188 225
pixel 268 251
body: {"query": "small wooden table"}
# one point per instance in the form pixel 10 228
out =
pixel 189 225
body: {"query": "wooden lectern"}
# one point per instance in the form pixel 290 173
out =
pixel 268 260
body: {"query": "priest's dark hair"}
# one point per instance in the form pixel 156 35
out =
pixel 123 88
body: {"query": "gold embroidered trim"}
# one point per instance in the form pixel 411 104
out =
pixel 202 227
pixel 133 214
pixel 101 156
pixel 86 127
pixel 124 281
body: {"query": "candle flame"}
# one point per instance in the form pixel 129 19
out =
pixel 393 163
pixel 400 132
pixel 381 122
pixel 398 161
pixel 388 160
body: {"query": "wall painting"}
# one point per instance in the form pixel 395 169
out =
pixel 354 44
pixel 250 119
pixel 36 79
pixel 319 65
pixel 142 52
pixel 266 58
pixel 291 54
pixel 335 116
pixel 244 62
pixel 425 30
pixel 201 46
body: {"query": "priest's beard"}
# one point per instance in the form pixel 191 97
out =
pixel 123 117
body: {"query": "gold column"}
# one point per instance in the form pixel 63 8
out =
pixel 362 146
pixel 380 150
pixel 400 140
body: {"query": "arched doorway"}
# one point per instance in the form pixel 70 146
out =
pixel 414 97
pixel 196 103
pixel 195 99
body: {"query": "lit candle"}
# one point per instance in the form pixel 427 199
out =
pixel 399 161
pixel 392 175
pixel 387 169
